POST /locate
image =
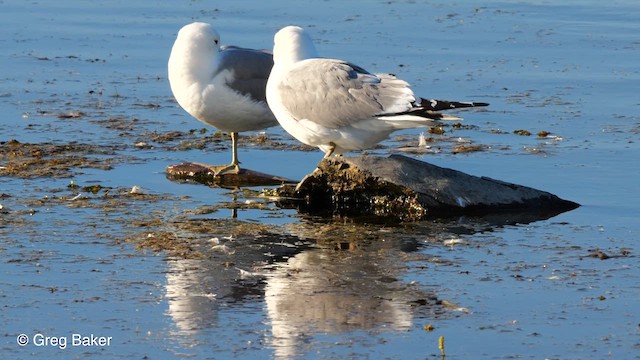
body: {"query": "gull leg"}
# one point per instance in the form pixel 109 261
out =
pixel 232 168
pixel 234 150
pixel 330 151
pixel 326 155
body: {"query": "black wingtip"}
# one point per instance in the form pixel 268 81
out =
pixel 439 105
pixel 475 104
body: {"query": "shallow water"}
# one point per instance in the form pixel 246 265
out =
pixel 270 283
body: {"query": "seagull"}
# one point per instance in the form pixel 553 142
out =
pixel 222 86
pixel 338 106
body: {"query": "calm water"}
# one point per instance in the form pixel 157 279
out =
pixel 305 288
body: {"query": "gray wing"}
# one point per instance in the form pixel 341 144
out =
pixel 334 93
pixel 251 69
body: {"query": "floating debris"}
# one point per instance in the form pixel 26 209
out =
pixel 422 140
pixel 136 190
pixel 223 249
pixel 452 306
pixel 534 150
pixel 244 274
pixel 71 115
pixel 459 149
pixel 599 254
pixel 79 196
pixel 453 242
pixel 522 132
pixel 94 189
pixel 142 145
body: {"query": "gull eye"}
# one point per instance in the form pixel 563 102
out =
pixel 216 41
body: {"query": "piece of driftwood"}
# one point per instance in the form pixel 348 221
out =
pixel 405 189
pixel 205 174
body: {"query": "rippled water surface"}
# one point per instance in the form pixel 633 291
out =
pixel 177 270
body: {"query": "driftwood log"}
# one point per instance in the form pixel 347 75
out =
pixel 405 189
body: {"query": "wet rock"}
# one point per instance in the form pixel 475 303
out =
pixel 205 174
pixel 405 189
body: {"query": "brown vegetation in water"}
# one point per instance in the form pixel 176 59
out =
pixel 30 160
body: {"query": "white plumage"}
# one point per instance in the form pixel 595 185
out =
pixel 338 106
pixel 222 86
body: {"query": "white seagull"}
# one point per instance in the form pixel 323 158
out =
pixel 222 86
pixel 338 106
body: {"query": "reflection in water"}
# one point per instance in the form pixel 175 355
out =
pixel 318 291
pixel 312 278
pixel 196 289
pixel 230 271
pixel 350 279
pixel 192 304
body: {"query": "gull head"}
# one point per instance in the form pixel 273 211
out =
pixel 192 56
pixel 292 44
pixel 198 37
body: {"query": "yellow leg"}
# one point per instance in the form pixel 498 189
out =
pixel 234 149
pixel 326 155
pixel 232 168
pixel 330 151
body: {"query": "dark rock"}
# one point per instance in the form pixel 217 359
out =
pixel 406 189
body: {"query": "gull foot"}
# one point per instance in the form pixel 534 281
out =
pixel 220 170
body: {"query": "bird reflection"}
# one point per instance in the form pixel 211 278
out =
pixel 349 280
pixel 319 291
pixel 190 298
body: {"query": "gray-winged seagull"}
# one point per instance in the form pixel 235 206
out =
pixel 338 106
pixel 222 86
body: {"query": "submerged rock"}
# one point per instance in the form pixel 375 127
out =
pixel 405 189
